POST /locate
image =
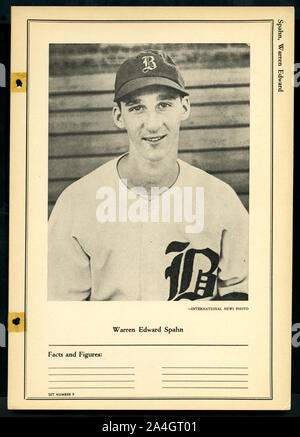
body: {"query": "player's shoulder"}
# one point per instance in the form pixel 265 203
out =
pixel 86 185
pixel 78 196
pixel 197 177
pixel 218 195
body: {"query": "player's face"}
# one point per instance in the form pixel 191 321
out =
pixel 152 118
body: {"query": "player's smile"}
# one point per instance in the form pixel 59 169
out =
pixel 154 140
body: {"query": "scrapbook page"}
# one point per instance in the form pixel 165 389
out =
pixel 150 208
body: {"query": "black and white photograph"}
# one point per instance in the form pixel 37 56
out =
pixel 148 171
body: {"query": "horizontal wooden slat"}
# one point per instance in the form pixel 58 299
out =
pixel 117 143
pixel 192 77
pixel 238 181
pixel 211 161
pixel 198 95
pixel 102 121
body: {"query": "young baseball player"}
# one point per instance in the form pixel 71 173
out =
pixel 148 226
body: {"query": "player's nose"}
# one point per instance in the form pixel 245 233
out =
pixel 152 121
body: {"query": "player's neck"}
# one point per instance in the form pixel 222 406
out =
pixel 139 172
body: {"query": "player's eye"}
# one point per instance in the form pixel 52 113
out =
pixel 164 105
pixel 135 108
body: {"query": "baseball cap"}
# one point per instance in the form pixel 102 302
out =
pixel 149 67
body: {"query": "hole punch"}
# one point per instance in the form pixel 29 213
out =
pixel 16 321
pixel 18 82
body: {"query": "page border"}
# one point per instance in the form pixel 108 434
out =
pixel 270 21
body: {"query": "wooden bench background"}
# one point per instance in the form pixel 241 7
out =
pixel 82 134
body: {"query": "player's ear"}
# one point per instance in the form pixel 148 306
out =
pixel 117 116
pixel 186 107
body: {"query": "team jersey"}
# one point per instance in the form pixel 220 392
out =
pixel 147 259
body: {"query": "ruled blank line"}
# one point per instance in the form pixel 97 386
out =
pixel 99 380
pixel 111 367
pixel 201 380
pixel 147 344
pixel 77 388
pixel 90 374
pixel 227 388
pixel 210 374
pixel 196 367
